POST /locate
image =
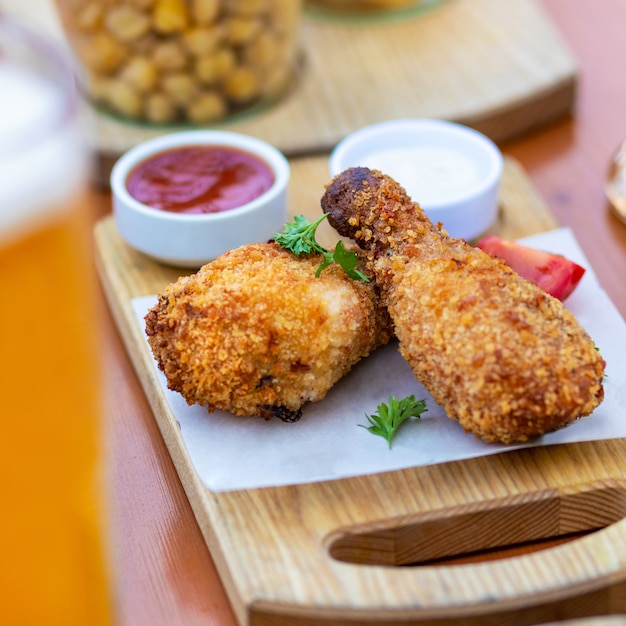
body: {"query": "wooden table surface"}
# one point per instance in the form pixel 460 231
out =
pixel 163 570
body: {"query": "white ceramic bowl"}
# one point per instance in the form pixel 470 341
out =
pixel 191 240
pixel 452 171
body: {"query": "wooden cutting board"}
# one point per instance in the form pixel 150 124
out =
pixel 361 550
pixel 499 67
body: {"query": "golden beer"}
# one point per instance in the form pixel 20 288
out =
pixel 51 528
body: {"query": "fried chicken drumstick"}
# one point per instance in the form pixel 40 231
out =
pixel 256 333
pixel 501 356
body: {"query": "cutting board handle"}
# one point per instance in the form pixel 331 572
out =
pixel 582 578
pixel 478 526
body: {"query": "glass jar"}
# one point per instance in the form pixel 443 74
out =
pixel 170 61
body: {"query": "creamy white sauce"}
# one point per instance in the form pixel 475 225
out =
pixel 429 175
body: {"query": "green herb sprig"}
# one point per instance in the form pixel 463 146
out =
pixel 299 237
pixel 390 416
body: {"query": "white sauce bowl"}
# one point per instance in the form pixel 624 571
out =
pixel 186 240
pixel 451 170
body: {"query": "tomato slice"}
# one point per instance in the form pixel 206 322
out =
pixel 552 272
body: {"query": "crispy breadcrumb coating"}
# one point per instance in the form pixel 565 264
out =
pixel 256 333
pixel 501 356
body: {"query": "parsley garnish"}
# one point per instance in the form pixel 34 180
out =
pixel 299 237
pixel 389 417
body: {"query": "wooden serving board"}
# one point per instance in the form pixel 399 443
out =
pixel 499 67
pixel 344 552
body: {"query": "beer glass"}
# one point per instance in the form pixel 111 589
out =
pixel 51 527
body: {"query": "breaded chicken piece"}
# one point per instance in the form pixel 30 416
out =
pixel 256 333
pixel 500 355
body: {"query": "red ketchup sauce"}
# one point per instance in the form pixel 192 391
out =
pixel 199 179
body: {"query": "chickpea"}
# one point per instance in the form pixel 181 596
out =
pixel 179 87
pixel 169 55
pixel 263 52
pixel 124 99
pixel 212 68
pixel 101 53
pixel 144 46
pixel 73 6
pixel 202 40
pixel 205 11
pixel 159 108
pixel 126 23
pixel 207 107
pixel 141 73
pixel 242 85
pixel 170 16
pixel 141 4
pixel 242 30
pixel 285 15
pixel 89 17
pixel 250 7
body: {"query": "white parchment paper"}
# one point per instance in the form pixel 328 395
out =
pixel 231 452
